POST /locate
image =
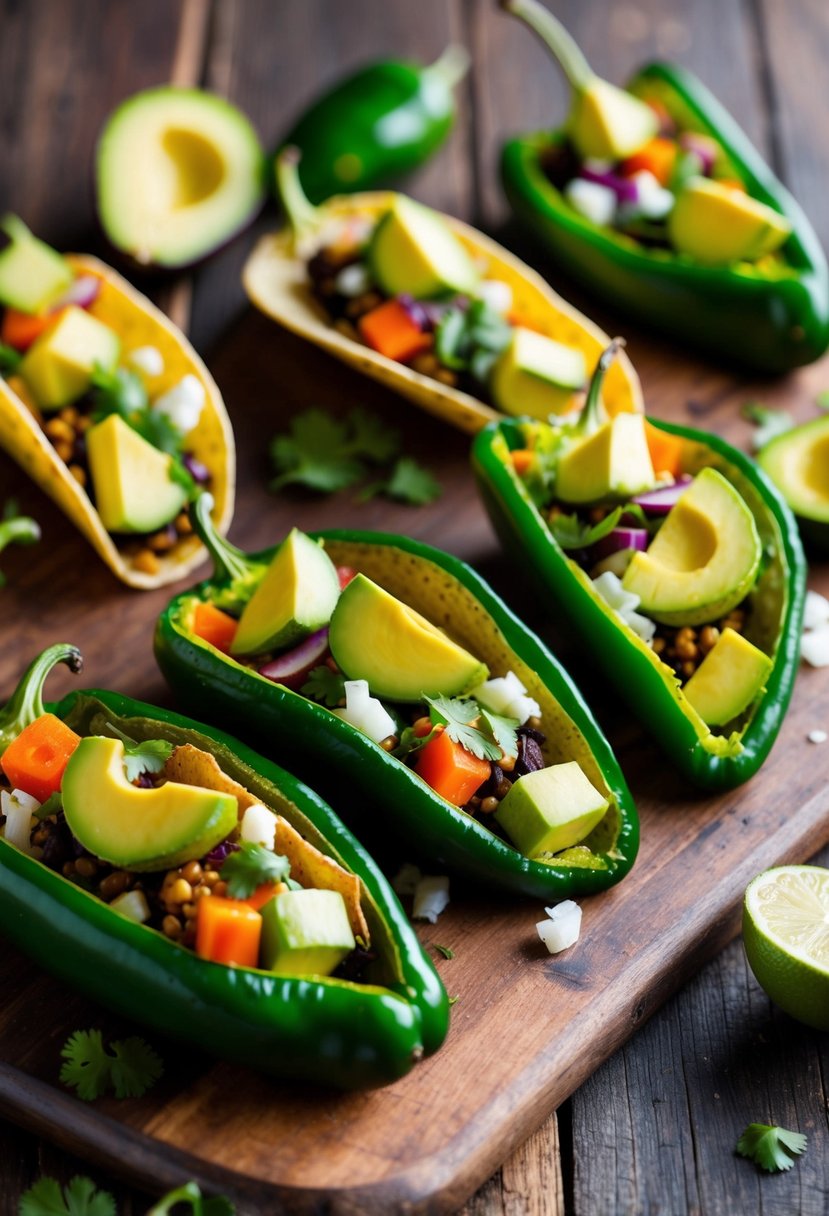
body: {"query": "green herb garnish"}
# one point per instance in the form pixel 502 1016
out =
pixel 772 1148
pixel 16 529
pixel 769 422
pixel 446 951
pixel 130 1070
pixel 487 736
pixel 407 482
pixel 251 866
pixel 150 756
pixel 199 1206
pixel 325 686
pixel 78 1198
pixel 10 359
pixel 471 339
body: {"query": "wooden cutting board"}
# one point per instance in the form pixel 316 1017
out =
pixel 527 1028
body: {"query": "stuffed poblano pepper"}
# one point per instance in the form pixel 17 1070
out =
pixel 675 561
pixel 654 197
pixel 381 664
pixel 184 881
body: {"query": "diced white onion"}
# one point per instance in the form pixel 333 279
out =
pixel 507 696
pixel 641 625
pixel 817 736
pixel 593 201
pixel 19 807
pixel 624 604
pixel 430 898
pixel 132 904
pixel 814 646
pixel 183 403
pixel 258 825
pixel 353 280
pixel 562 928
pixel 366 713
pixel 496 294
pixel 146 359
pixel 816 610
pixel 406 879
pixel 653 201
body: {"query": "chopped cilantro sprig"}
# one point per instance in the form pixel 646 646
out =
pixel 129 1068
pixel 772 1148
pixel 487 735
pixel 79 1197
pixel 251 866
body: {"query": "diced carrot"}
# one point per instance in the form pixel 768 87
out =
pixel 657 157
pixel 522 460
pixel 21 329
pixel 732 183
pixel 345 574
pixel 214 626
pixel 665 450
pixel 228 931
pixel 263 893
pixel 391 332
pixel 35 761
pixel 451 770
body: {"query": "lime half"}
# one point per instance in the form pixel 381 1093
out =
pixel 786 937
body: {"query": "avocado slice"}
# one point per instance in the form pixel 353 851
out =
pixel 607 123
pixel 550 809
pixel 32 274
pixel 728 679
pixel 139 829
pixel 134 491
pixel 58 367
pixel 414 252
pixel 376 637
pixel 798 464
pixel 296 597
pixel 305 932
pixel 615 459
pixel 716 224
pixel 536 375
pixel 703 560
pixel 178 172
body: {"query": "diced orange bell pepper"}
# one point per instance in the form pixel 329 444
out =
pixel 228 931
pixel 214 626
pixel 522 460
pixel 451 770
pixel 657 157
pixel 665 450
pixel 35 761
pixel 391 332
pixel 21 329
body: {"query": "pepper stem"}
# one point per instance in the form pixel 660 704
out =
pixel 451 67
pixel 26 702
pixel 593 415
pixel 303 217
pixel 556 38
pixel 228 561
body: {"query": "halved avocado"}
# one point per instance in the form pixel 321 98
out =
pixel 798 464
pixel 716 224
pixel 139 829
pixel 178 172
pixel 378 638
pixel 134 491
pixel 296 597
pixel 703 560
pixel 414 251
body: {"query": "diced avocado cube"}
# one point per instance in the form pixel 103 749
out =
pixel 728 679
pixel 32 274
pixel 536 375
pixel 550 809
pixel 305 932
pixel 58 367
pixel 614 460
pixel 134 491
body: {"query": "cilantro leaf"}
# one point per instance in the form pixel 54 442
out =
pixel 503 731
pixel 769 422
pixel 772 1148
pixel 315 453
pixel 86 1066
pixel 9 359
pixel 135 1068
pixel 571 533
pixel 130 1071
pixel 457 716
pixel 470 339
pixel 371 438
pixel 250 866
pixel 190 1194
pixel 78 1198
pixel 147 757
pixel 325 686
pixel 446 951
pixel 122 392
pixel 407 482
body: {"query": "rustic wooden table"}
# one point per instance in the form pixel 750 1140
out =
pixel 653 1129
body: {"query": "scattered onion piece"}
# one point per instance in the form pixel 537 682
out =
pixel 431 897
pixel 563 927
pixel 814 646
pixel 816 610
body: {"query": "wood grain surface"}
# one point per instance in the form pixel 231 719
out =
pixel 653 1130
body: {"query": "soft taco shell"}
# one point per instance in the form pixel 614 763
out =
pixel 276 280
pixel 138 323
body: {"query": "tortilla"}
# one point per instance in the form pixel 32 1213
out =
pixel 138 323
pixel 311 868
pixel 275 277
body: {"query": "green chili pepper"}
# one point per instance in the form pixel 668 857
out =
pixel 648 685
pixel 377 125
pixel 326 1030
pixel 449 593
pixel 769 316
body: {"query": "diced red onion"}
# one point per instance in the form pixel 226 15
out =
pixel 416 312
pixel 703 147
pixel 625 189
pixel 221 852
pixel 292 667
pixel 663 499
pixel 620 538
pixel 82 292
pixel 198 471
